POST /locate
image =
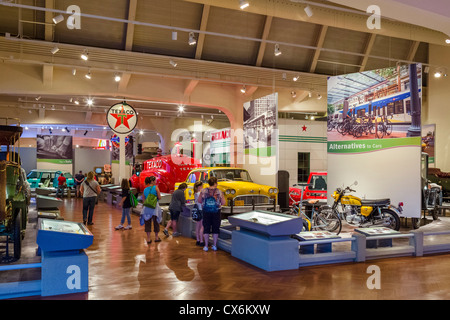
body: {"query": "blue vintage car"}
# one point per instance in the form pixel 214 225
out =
pixel 48 178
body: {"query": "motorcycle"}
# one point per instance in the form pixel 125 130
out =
pixel 365 213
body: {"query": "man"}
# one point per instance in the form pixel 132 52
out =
pixel 79 178
pixel 61 185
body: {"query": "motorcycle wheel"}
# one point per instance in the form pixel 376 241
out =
pixel 328 220
pixel 394 220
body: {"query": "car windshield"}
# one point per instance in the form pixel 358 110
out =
pixel 231 174
pixel 32 175
pixel 319 182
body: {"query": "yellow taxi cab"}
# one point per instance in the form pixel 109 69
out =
pixel 241 193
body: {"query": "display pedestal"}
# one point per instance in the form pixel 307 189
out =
pixel 265 252
pixel 64 272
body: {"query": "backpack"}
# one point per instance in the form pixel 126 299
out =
pixel 196 213
pixel 209 204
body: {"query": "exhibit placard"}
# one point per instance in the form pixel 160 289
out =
pixel 374 134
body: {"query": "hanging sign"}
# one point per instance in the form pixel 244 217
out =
pixel 121 118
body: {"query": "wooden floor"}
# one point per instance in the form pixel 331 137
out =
pixel 123 267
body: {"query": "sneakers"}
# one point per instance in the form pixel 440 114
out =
pixel 176 234
pixel 205 248
pixel 214 248
pixel 166 233
pixel 128 227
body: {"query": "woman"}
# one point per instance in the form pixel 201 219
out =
pixel 198 186
pixel 177 204
pixel 212 200
pixel 150 214
pixel 125 203
pixel 90 189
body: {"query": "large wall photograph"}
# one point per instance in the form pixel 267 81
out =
pixel 52 148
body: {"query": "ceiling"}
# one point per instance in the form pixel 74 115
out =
pixel 234 46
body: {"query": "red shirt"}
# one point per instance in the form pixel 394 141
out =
pixel 61 180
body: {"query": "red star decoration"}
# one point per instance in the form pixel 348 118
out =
pixel 304 128
pixel 122 118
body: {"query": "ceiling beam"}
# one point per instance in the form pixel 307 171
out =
pixel 47 75
pixel 262 45
pixel 189 88
pixel 367 50
pixel 201 36
pixel 319 45
pixel 124 80
pixel 413 50
pixel 48 29
pixel 132 6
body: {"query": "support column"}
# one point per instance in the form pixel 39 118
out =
pixel 122 158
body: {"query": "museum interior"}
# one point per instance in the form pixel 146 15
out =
pixel 318 126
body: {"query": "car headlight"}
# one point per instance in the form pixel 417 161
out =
pixel 233 191
pixel 228 191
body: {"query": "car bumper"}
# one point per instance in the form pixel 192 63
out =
pixel 243 209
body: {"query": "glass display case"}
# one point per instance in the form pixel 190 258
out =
pixel 60 235
pixel 270 223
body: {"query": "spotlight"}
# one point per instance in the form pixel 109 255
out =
pixel 180 108
pixel 437 74
pixel 117 78
pixel 90 102
pixel 243 4
pixel 173 63
pixel 312 118
pixel 50 130
pixel 38 98
pixel 54 50
pixel 85 55
pixel 174 35
pixel 141 132
pixel 58 19
pixel 319 96
pixel 309 11
pixel 293 94
pixel 447 41
pixel 74 71
pixel 77 102
pixel 243 89
pixel 88 75
pixel 67 129
pixel 277 51
pixel 85 133
pixel 295 78
pixel 192 40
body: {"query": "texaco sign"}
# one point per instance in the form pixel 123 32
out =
pixel 122 118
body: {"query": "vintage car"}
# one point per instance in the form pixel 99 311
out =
pixel 318 190
pixel 15 196
pixel 48 178
pixel 167 170
pixel 241 193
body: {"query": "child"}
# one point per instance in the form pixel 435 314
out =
pixel 126 205
pixel 198 186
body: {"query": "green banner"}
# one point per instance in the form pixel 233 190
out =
pixel 56 161
pixel 362 146
pixel 262 152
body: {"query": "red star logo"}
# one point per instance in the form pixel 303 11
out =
pixel 122 118
pixel 304 128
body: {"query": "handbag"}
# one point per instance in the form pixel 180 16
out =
pixel 151 201
pixel 133 200
pixel 197 214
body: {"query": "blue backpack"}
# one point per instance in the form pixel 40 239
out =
pixel 209 204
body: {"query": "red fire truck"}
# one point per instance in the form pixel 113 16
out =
pixel 167 169
pixel 318 189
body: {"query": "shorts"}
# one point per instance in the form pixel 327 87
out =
pixel 148 225
pixel 174 215
pixel 211 223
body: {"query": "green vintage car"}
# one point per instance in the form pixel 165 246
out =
pixel 14 202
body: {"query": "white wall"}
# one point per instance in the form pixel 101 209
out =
pixel 293 139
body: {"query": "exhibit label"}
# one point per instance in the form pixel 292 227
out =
pixel 363 146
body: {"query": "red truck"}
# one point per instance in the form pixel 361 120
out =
pixel 318 190
pixel 167 169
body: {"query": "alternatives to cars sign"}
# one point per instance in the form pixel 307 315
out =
pixel 122 118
